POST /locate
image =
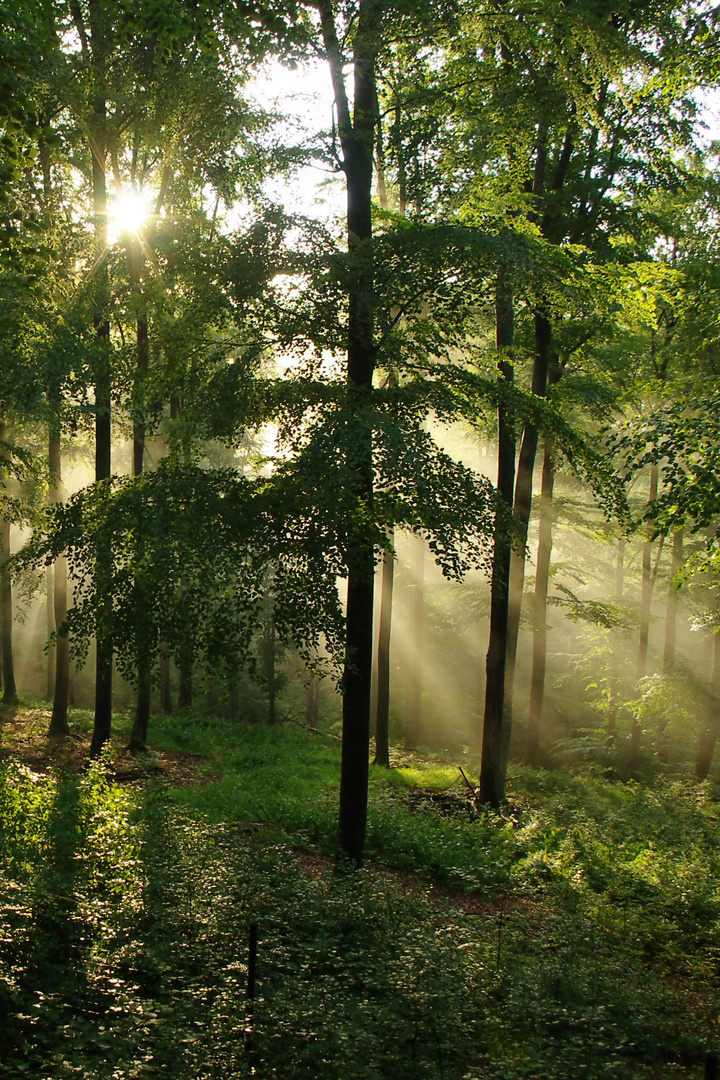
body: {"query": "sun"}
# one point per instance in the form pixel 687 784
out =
pixel 127 213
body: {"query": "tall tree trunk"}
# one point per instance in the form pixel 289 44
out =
pixel 615 647
pixel 380 707
pixel 61 689
pixel 6 604
pixel 312 706
pixel 492 770
pixel 671 610
pixel 522 508
pixel 417 640
pixel 50 625
pixel 382 721
pixel 186 652
pixel 138 737
pixel 708 735
pixel 233 697
pixel 552 224
pixel 54 491
pixel 542 580
pixel 185 676
pixel 6 601
pixel 357 137
pixel 166 705
pixel 270 658
pixel 648 582
pixel 376 639
pixel 103 568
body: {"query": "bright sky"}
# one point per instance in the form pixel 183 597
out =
pixel 304 96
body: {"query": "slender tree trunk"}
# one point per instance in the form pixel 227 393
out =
pixel 615 647
pixel 6 602
pixel 708 736
pixel 270 666
pixel 671 610
pixel 357 138
pixel 376 639
pixel 166 705
pixel 542 580
pixel 50 625
pixel 492 770
pixel 312 707
pixel 417 640
pixel 186 652
pixel 103 568
pixel 185 673
pixel 648 582
pixel 382 722
pixel 522 507
pixel 138 738
pixel 58 658
pixel 380 709
pixel 233 698
pixel 61 688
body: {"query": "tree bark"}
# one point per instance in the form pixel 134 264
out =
pixel 141 720
pixel 312 705
pixel 615 647
pixel 6 605
pixel 542 581
pixel 417 639
pixel 522 507
pixel 61 689
pixel 185 673
pixel 492 770
pixel 6 602
pixel 166 705
pixel 270 676
pixel 50 625
pixel 186 652
pixel 382 719
pixel 671 610
pixel 708 736
pixel 357 136
pixel 380 698
pixel 98 147
pixel 648 583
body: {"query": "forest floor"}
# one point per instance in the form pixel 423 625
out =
pixel 576 933
pixel 24 739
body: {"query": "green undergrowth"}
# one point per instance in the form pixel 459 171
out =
pixel 575 934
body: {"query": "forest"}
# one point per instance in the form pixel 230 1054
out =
pixel 359 549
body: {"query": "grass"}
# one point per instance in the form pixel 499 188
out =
pixel 575 934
